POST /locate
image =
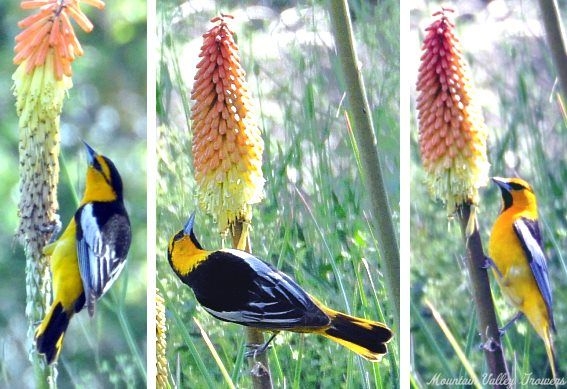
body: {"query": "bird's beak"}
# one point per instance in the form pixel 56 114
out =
pixel 91 154
pixel 502 183
pixel 189 225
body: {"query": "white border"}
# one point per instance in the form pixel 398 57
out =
pixel 151 165
pixel 405 66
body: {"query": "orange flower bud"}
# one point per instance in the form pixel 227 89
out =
pixel 452 134
pixel 50 31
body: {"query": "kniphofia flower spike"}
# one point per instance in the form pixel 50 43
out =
pixel 227 145
pixel 452 134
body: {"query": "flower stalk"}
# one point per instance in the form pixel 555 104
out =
pixel 44 52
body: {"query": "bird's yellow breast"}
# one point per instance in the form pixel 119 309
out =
pixel 64 264
pixel 514 274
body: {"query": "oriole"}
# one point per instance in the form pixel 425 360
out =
pixel 89 255
pixel 235 286
pixel 520 266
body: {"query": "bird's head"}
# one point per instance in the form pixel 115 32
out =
pixel 184 249
pixel 103 181
pixel 516 192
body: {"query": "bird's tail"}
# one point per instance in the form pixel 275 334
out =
pixel 550 350
pixel 365 337
pixel 49 334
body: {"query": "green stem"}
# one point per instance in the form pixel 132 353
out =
pixel 140 362
pixel 66 184
pixel 554 33
pixel 363 130
pixel 194 352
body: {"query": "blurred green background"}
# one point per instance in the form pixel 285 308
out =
pixel 504 44
pixel 106 108
pixel 313 223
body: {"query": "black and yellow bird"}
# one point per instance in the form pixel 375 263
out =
pixel 235 286
pixel 519 264
pixel 90 254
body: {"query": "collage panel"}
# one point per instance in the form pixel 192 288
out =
pixel 72 165
pixel 488 205
pixel 256 152
pixel 244 180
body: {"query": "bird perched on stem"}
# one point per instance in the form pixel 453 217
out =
pixel 518 261
pixel 235 286
pixel 90 254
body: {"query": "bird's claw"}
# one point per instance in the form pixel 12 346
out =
pixel 489 263
pixel 51 228
pixel 490 345
pixel 256 349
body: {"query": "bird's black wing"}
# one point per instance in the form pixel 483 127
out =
pixel 235 286
pixel 103 240
pixel 528 233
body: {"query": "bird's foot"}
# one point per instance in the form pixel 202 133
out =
pixel 506 326
pixel 489 263
pixel 491 345
pixel 258 349
pixel 255 349
pixel 51 228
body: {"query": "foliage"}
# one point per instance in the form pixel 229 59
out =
pixel 514 75
pixel 106 107
pixel 312 224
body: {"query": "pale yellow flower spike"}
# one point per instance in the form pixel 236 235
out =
pixel 162 367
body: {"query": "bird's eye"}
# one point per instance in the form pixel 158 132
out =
pixel 96 165
pixel 179 236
